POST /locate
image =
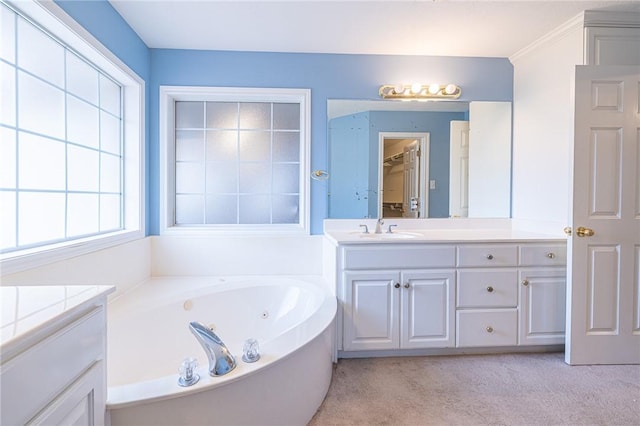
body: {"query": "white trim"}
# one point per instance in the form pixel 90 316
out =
pixel 605 18
pixel 170 94
pixel 56 21
pixel 550 37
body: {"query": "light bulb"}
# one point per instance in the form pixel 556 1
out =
pixel 398 89
pixel 416 88
pixel 450 89
pixel 434 88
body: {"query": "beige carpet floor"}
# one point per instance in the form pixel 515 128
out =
pixel 510 389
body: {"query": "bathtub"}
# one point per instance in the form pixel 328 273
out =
pixel 148 338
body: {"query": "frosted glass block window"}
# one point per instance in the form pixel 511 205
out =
pixel 61 141
pixel 239 160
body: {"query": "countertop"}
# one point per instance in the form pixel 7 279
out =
pixel 27 310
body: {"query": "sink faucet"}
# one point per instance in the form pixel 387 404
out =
pixel 379 224
pixel 220 359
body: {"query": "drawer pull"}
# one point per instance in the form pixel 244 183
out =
pixel 489 329
pixel 490 256
pixel 525 282
pixel 397 285
pixel 490 289
pixel 406 285
pixel 551 255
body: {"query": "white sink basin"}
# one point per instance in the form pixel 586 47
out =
pixel 396 235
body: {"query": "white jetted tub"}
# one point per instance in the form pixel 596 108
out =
pixel 149 337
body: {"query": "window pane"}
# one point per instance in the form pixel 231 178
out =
pixel 82 79
pixel 286 116
pixel 42 217
pixel 109 173
pixel 189 115
pixel 222 209
pixel 109 133
pixel 189 178
pixel 222 145
pixel 189 209
pixel 7 34
pixel 109 212
pixel 255 178
pixel 222 177
pixel 285 178
pixel 286 146
pixel 255 209
pixel 7 219
pixel 40 54
pixel 41 162
pixel 8 102
pixel 255 146
pixel 82 123
pixel 82 214
pixel 190 145
pixel 222 115
pixel 82 169
pixel 285 209
pixel 255 115
pixel 109 96
pixel 7 158
pixel 40 107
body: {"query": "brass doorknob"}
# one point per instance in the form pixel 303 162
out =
pixel 585 232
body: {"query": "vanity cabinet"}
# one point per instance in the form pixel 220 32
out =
pixel 464 295
pixel 53 365
pixel 397 298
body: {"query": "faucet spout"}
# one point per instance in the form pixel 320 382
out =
pixel 220 359
pixel 379 224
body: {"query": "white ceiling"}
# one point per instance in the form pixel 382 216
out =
pixel 488 28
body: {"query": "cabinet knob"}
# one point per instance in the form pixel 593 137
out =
pixel 397 285
pixel 551 255
pixel 490 256
pixel 489 329
pixel 407 285
pixel 525 282
pixel 490 289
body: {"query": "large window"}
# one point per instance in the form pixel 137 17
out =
pixel 63 142
pixel 236 159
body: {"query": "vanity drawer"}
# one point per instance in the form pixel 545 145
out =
pixel 405 256
pixel 543 255
pixel 488 255
pixel 487 288
pixel 487 327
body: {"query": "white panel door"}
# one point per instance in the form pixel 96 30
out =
pixel 411 183
pixel 371 310
pixel 603 253
pixel 427 305
pixel 459 169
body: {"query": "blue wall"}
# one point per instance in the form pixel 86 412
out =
pixel 329 76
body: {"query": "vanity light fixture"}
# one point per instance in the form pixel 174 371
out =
pixel 419 91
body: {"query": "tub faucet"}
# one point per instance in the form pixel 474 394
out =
pixel 220 359
pixel 379 224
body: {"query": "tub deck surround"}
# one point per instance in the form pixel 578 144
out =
pixel 292 317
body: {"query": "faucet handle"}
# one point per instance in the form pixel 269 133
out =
pixel 366 228
pixel 389 231
pixel 188 375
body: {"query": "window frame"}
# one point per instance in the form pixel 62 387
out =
pixel 54 20
pixel 169 95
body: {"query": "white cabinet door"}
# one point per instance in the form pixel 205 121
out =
pixel 371 311
pixel 542 306
pixel 427 303
pixel 604 254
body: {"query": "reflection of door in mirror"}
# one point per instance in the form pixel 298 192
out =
pixel 459 169
pixel 403 174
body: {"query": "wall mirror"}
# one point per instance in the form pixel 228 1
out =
pixel 419 159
